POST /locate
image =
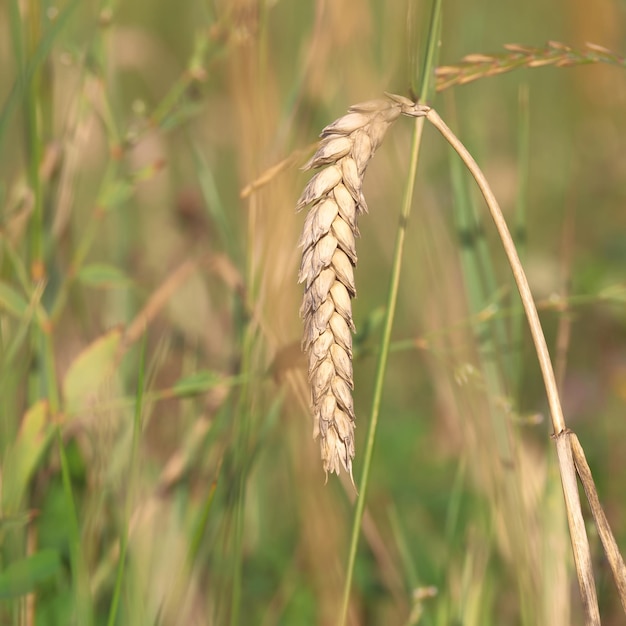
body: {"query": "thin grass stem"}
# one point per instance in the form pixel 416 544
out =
pixel 130 494
pixel 84 609
pixel 381 366
pixel 392 298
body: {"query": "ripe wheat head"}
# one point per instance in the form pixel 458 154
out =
pixel 327 268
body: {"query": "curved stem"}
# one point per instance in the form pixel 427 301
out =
pixel 556 412
pixel 578 535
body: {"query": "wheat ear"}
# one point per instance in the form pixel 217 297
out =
pixel 328 260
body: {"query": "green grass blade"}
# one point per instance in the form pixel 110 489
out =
pixel 426 87
pixel 215 206
pixel 22 577
pixel 129 499
pixel 83 605
pixel 43 49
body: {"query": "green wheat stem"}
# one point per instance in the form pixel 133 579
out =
pixel 392 300
pixel 382 363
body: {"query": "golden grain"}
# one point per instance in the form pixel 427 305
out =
pixel 327 268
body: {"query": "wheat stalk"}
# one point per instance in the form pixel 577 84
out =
pixel 475 66
pixel 327 267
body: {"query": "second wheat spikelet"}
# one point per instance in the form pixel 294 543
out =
pixel 328 259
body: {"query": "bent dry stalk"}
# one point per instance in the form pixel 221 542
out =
pixel 328 259
pixel 327 267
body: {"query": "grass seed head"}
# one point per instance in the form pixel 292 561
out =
pixel 328 245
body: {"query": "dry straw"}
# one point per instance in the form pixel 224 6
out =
pixel 327 267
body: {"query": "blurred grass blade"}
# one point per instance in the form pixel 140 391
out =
pixel 196 383
pixel 23 576
pixel 23 456
pixel 479 280
pixel 80 579
pixel 115 193
pixel 89 370
pixel 202 522
pixel 130 494
pixel 213 201
pixel 103 275
pixel 12 301
pixel 42 51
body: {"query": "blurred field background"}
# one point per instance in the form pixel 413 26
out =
pixel 157 459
